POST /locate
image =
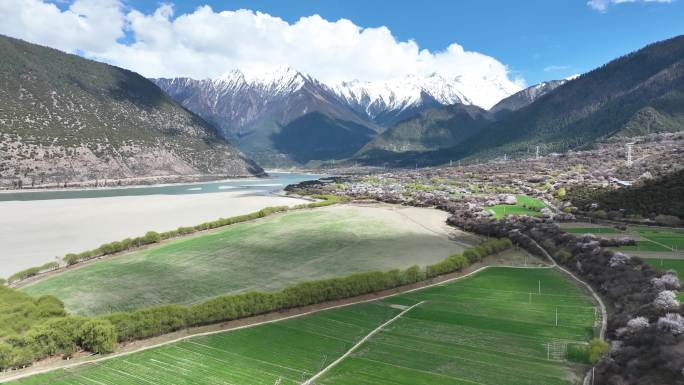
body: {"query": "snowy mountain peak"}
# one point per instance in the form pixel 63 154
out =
pixel 400 94
pixel 277 80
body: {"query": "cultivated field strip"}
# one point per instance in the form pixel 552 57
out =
pixel 482 330
pixel 267 254
pixel 479 330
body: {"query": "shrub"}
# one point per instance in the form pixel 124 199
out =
pixel 563 256
pixel 596 349
pixel 668 220
pixel 151 237
pixel 97 336
pixel 49 266
pixel 72 259
pixel 54 336
pixel 578 353
pixel 6 355
pixel 49 306
pixel 24 274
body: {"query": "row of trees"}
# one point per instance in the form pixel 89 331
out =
pixel 31 271
pixel 53 332
pixel 153 237
pixel 163 319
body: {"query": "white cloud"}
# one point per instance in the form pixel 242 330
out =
pixel 602 5
pixel 207 43
pixel 88 25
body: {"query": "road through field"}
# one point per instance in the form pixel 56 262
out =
pixel 358 344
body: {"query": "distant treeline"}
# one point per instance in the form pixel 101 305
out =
pixel 31 329
pixel 153 237
pixel 661 196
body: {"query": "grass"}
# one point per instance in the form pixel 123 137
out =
pixel 267 254
pixel 656 240
pixel 643 246
pixel 667 264
pixel 670 238
pixel 482 329
pixel 591 230
pixel 525 205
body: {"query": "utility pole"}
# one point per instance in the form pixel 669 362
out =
pixel 536 153
pixel 539 287
pixel 556 315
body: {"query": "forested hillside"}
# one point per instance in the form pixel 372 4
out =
pixel 661 196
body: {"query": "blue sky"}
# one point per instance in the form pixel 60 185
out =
pixel 506 44
pixel 539 39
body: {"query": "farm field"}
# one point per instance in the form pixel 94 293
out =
pixel 266 254
pixel 525 206
pixel 667 264
pixel 591 230
pixel 482 329
pixel 647 238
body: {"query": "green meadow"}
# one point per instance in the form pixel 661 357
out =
pixel 496 327
pixel 525 205
pixel 265 254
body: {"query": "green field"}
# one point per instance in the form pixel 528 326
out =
pixel 652 238
pixel 667 264
pixel 479 330
pixel 266 254
pixel 670 238
pixel 591 230
pixel 656 239
pixel 525 206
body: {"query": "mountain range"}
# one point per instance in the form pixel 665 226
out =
pixel 267 113
pixel 637 94
pixel 67 119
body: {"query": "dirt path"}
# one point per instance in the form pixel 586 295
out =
pixel 356 346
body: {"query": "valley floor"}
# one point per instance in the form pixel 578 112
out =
pixel 265 254
pixel 493 327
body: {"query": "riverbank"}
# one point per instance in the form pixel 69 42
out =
pixel 36 232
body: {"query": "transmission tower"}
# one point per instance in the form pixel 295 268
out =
pixel 629 154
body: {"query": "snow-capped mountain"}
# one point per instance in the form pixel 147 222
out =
pixel 527 96
pixel 253 107
pixel 259 111
pixel 389 101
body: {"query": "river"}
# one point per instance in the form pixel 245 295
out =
pixel 40 226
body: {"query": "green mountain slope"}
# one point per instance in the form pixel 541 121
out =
pixel 433 129
pixel 67 119
pixel 639 93
pixel 317 136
